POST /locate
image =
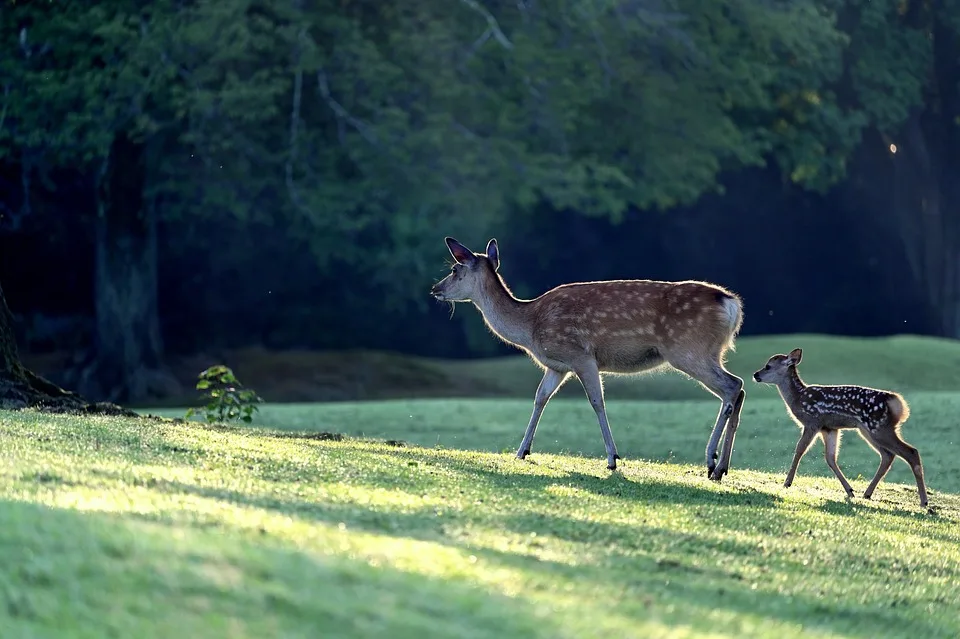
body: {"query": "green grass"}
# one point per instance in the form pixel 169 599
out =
pixel 118 528
pixel 903 362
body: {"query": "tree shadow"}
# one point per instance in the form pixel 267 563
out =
pixel 609 484
pixel 646 546
pixel 648 488
pixel 661 561
pixel 99 573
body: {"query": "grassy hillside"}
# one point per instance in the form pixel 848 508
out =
pixel 906 363
pixel 118 528
pixel 665 431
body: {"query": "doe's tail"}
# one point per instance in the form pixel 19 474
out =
pixel 733 308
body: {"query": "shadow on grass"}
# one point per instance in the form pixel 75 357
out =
pixel 642 555
pixel 610 484
pixel 696 572
pixel 97 569
pixel 647 488
pixel 658 562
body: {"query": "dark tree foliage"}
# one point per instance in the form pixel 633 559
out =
pixel 206 142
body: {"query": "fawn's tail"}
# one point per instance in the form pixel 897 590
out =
pixel 899 407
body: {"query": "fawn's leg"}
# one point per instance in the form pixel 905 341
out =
pixel 831 446
pixel 551 382
pixel 886 460
pixel 889 439
pixel 589 376
pixel 803 445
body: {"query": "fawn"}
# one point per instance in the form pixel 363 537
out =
pixel 620 326
pixel 826 410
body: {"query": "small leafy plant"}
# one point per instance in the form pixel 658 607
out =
pixel 227 400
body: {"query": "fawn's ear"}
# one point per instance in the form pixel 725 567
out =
pixel 493 253
pixel 460 253
pixel 795 356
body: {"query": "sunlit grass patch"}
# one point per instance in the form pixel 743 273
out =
pixel 153 529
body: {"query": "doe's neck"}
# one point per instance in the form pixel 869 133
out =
pixel 506 315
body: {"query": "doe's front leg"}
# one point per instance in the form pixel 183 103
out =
pixel 549 385
pixel 589 375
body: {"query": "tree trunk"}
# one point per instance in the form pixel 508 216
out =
pixel 10 366
pixel 127 362
pixel 21 388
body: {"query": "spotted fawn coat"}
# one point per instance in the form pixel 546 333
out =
pixel 826 410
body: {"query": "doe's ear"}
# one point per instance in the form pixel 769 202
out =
pixel 460 253
pixel 493 253
pixel 795 356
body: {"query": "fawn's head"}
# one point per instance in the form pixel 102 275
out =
pixel 469 274
pixel 778 367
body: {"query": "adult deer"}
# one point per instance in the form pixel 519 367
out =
pixel 619 326
pixel 826 410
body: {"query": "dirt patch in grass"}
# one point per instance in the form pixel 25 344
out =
pixel 311 376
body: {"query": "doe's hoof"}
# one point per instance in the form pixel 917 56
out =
pixel 718 473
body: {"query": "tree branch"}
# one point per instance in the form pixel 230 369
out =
pixel 294 133
pixel 479 42
pixel 492 25
pixel 342 114
pixel 6 95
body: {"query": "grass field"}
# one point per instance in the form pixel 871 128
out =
pixel 904 362
pixel 119 528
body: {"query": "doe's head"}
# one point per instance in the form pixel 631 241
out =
pixel 468 274
pixel 778 367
